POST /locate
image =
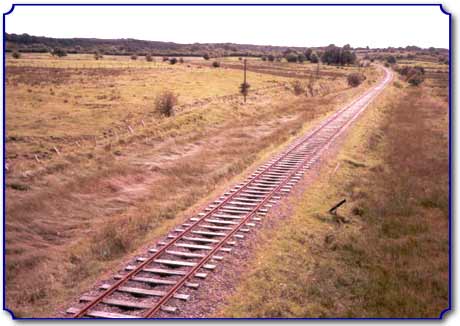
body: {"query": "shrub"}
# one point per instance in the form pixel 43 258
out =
pixel 165 59
pixel 297 87
pixel 416 79
pixel 181 60
pixel 391 59
pixel 97 55
pixel 134 57
pixel 314 58
pixel 301 58
pixel 165 103
pixel 16 55
pixel 58 52
pixel 216 64
pixel 240 58
pixel 264 58
pixel 206 56
pixel 173 61
pixel 355 79
pixel 291 57
pixel 271 57
pixel 244 88
pixel 148 58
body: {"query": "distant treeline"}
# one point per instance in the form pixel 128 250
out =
pixel 331 53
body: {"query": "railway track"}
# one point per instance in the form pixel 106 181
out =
pixel 157 280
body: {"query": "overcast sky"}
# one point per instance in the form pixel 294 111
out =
pixel 374 26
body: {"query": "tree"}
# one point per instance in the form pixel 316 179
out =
pixel 206 56
pixel 337 55
pixel 301 58
pixel 308 54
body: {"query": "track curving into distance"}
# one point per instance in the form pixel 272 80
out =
pixel 192 250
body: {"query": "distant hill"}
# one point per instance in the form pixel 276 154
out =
pixel 29 43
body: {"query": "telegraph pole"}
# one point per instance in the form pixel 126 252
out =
pixel 244 82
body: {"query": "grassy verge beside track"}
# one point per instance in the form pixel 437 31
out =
pixel 386 254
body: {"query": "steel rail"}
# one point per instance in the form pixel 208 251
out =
pixel 249 215
pixel 162 250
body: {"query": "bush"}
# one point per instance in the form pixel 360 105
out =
pixel 264 58
pixel 16 55
pixel 97 56
pixel 165 59
pixel 244 88
pixel 391 59
pixel 134 57
pixel 297 87
pixel 355 79
pixel 216 64
pixel 58 53
pixel 148 58
pixel 301 58
pixel 206 56
pixel 416 79
pixel 181 60
pixel 314 58
pixel 271 57
pixel 165 103
pixel 291 57
pixel 173 61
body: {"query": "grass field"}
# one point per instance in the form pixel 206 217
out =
pixel 386 253
pixel 94 173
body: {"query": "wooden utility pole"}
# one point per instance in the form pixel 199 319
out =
pixel 244 82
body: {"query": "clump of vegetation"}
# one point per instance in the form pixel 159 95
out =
pixel 391 59
pixel 58 52
pixel 244 89
pixel 16 55
pixel 206 56
pixel 173 61
pixel 291 57
pixel 339 56
pixel 216 64
pixel 97 55
pixel 297 87
pixel 165 103
pixel 181 60
pixel 412 75
pixel 271 57
pixel 301 58
pixel 314 58
pixel 355 79
pixel 148 58
pixel 134 57
pixel 165 59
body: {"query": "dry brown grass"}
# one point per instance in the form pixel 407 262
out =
pixel 392 259
pixel 75 215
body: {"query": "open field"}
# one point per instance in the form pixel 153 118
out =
pixel 386 252
pixel 94 173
